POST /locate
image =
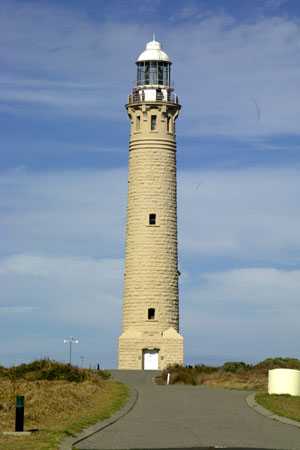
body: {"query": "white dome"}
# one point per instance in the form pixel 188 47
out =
pixel 153 52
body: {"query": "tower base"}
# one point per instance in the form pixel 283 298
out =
pixel 150 351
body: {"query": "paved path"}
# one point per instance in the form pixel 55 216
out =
pixel 190 416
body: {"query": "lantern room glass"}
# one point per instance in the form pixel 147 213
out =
pixel 153 72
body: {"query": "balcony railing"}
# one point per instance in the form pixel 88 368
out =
pixel 156 95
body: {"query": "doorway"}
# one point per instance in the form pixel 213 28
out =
pixel 150 359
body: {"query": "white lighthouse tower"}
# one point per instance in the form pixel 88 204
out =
pixel 150 337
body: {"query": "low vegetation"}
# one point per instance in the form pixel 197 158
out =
pixel 282 405
pixel 60 400
pixel 232 375
pixel 46 369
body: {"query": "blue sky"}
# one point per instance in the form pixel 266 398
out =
pixel 66 71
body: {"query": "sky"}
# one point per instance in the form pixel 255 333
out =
pixel 67 68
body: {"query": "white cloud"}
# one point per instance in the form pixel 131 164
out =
pixel 80 291
pixel 224 69
pixel 248 215
pixel 16 309
pixel 257 288
pixel 249 313
pixel 244 215
pixel 64 213
pixel 62 251
pixel 68 296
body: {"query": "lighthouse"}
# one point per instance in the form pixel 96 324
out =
pixel 150 338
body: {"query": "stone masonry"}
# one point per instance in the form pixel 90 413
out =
pixel 151 262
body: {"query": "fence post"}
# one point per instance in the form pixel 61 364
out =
pixel 19 413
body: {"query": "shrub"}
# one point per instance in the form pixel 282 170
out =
pixel 202 368
pixel 46 369
pixel 235 367
pixel 104 374
pixel 183 377
pixel 277 363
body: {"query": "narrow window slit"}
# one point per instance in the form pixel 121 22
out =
pixel 151 314
pixel 153 122
pixel 138 123
pixel 169 125
pixel 152 219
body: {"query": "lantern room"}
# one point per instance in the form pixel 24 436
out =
pixel 153 66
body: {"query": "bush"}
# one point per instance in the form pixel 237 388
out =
pixel 104 374
pixel 183 377
pixel 232 372
pixel 277 363
pixel 46 369
pixel 185 374
pixel 202 368
pixel 235 367
pixel 180 374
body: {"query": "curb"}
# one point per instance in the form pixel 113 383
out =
pixel 251 402
pixel 68 442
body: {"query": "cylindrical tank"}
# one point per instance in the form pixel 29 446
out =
pixel 284 381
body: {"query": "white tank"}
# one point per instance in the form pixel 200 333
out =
pixel 284 381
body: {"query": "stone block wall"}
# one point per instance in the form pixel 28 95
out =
pixel 131 348
pixel 151 261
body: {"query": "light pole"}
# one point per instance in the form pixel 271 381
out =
pixel 71 341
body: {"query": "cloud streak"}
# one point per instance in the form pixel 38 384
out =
pixel 248 313
pixel 245 215
pixel 219 67
pixel 16 309
pixel 62 256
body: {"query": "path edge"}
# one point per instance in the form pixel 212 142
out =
pixel 252 403
pixel 68 442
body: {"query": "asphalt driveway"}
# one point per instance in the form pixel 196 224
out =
pixel 190 417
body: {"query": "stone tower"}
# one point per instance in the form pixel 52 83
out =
pixel 150 337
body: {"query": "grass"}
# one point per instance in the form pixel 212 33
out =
pixel 56 407
pixel 282 405
pixel 232 375
pixel 46 369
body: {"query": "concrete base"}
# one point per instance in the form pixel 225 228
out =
pixel 16 433
pixel 132 345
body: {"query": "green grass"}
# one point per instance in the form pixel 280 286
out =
pixel 54 405
pixel 282 405
pixel 101 404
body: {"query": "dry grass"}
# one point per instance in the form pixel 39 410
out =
pixel 56 408
pixel 232 375
pixel 244 380
pixel 282 405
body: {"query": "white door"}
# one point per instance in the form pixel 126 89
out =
pixel 150 360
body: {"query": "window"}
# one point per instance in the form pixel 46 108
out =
pixel 161 66
pixel 152 219
pixel 153 123
pixel 146 72
pixel 138 123
pixel 153 72
pixel 151 314
pixel 169 124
